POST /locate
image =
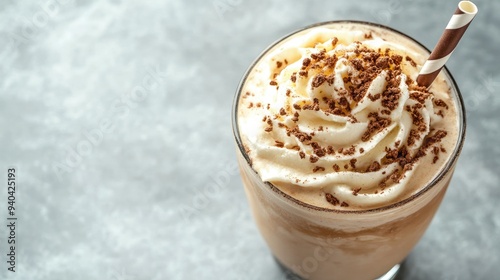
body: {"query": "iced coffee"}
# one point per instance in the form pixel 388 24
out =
pixel 344 157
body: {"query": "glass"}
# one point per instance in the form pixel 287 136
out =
pixel 321 243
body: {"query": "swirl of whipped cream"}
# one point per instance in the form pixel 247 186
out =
pixel 342 113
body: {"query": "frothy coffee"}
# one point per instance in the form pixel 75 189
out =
pixel 344 158
pixel 333 117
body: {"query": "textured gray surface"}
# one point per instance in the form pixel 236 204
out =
pixel 116 115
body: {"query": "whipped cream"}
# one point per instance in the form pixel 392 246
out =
pixel 338 111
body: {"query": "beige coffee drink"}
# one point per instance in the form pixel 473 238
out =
pixel 344 158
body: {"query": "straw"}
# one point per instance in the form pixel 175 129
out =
pixel 446 45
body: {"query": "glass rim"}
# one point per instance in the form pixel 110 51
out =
pixel 446 168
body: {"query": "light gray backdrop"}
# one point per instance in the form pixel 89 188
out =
pixel 116 116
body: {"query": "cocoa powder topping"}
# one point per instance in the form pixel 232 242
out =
pixel 414 135
pixel 331 199
pixel 375 166
pixel 419 96
pixel 270 125
pixel 376 124
pixel 302 136
pixel 279 144
pixel 352 162
pixel 318 168
pixel 336 167
pixel 412 62
pixel 334 41
pixel 318 80
pixel 306 62
pixel 349 151
pixel 356 191
pixel 320 152
pixel 313 159
pixel 440 103
pixel 382 62
pixel 374 98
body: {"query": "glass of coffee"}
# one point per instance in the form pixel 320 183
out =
pixel 344 157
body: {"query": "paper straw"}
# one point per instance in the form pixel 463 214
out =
pixel 446 45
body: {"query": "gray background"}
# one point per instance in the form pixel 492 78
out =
pixel 116 115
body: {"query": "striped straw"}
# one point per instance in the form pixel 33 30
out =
pixel 444 48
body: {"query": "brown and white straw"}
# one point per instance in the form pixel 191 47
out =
pixel 446 45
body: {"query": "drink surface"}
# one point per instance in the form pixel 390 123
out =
pixel 333 117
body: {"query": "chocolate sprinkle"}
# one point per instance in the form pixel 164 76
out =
pixel 318 168
pixel 332 199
